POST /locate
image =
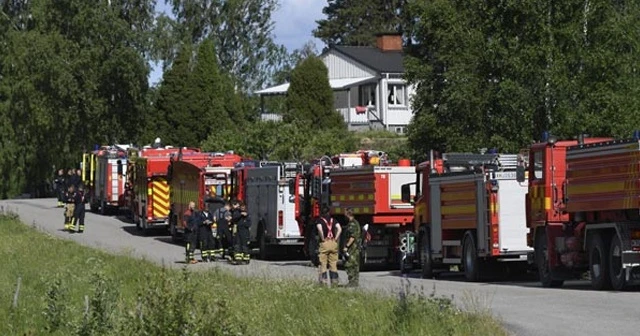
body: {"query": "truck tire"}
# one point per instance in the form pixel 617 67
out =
pixel 599 262
pixel 471 264
pixel 542 261
pixel 425 255
pixel 618 279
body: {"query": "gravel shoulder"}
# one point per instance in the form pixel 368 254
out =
pixel 524 307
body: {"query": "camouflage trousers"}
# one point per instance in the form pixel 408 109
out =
pixel 352 267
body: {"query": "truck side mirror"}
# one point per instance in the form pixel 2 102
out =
pixel 120 168
pixel 520 174
pixel 406 192
pixel 292 187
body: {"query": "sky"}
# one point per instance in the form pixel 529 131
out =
pixel 294 21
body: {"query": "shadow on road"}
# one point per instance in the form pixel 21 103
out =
pixel 132 230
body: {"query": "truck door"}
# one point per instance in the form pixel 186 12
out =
pixel 538 201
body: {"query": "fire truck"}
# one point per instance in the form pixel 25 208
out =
pixel 272 193
pixel 583 210
pixel 468 212
pixel 190 178
pixel 373 192
pixel 147 187
pixel 321 187
pixel 104 171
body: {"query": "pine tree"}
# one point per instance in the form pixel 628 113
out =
pixel 208 93
pixel 310 97
pixel 175 123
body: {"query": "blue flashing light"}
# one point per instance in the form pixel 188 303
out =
pixel 493 151
pixel 545 136
pixel 636 135
pixel 96 147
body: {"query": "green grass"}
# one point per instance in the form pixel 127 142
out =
pixel 67 289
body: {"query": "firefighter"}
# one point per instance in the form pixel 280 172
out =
pixel 205 234
pixel 59 185
pixel 190 232
pixel 79 212
pixel 328 235
pixel 222 220
pixel 69 200
pixel 242 222
pixel 351 250
pixel 213 201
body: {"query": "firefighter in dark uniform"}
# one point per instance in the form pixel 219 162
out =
pixel 60 189
pixel 223 239
pixel 190 232
pixel 70 206
pixel 205 234
pixel 242 222
pixel 79 212
pixel 351 249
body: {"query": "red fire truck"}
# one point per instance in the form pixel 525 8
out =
pixel 272 194
pixel 338 183
pixel 469 212
pixel 108 178
pixel 190 178
pixel 583 210
pixel 148 190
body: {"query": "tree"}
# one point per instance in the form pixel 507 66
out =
pixel 242 32
pixel 207 87
pixel 173 117
pixel 310 97
pixel 356 22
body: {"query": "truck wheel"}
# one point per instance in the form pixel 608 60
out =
pixel 542 261
pixel 425 256
pixel 471 262
pixel 618 279
pixel 599 263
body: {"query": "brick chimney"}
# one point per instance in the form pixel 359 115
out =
pixel 389 41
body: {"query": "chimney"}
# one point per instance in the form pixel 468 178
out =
pixel 389 41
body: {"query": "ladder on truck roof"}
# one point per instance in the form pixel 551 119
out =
pixel 456 162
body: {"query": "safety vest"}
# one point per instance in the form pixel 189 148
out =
pixel 329 225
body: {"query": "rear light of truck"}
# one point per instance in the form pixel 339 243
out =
pixel 635 234
pixel 280 220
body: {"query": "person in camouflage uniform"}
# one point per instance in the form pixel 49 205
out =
pixel 352 249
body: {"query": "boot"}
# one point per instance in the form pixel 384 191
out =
pixel 81 229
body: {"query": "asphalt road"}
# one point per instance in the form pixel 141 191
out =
pixel 524 307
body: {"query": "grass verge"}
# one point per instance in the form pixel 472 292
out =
pixel 53 286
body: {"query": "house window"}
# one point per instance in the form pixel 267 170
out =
pixel 397 95
pixel 401 130
pixel 367 95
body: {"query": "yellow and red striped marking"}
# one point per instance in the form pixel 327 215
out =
pixel 160 196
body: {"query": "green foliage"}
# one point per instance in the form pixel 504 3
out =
pixel 310 99
pixel 272 140
pixel 393 144
pixel 242 33
pixel 356 22
pixel 498 74
pixel 132 297
pixel 72 74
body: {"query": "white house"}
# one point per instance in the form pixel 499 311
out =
pixel 358 76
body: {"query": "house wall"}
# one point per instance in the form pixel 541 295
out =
pixel 341 67
pixel 395 115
